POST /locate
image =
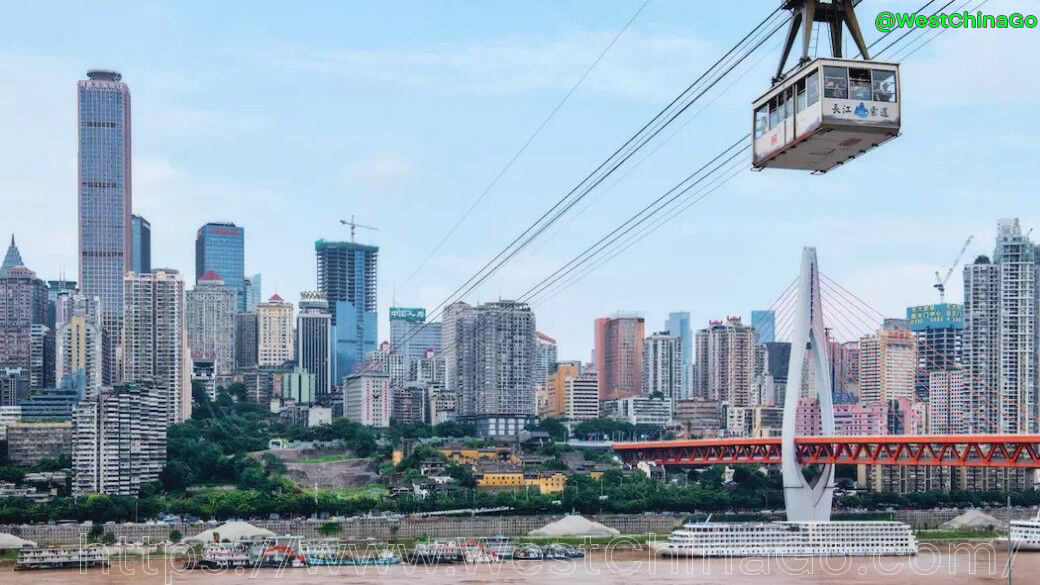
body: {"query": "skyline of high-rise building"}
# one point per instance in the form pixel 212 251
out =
pixel 314 339
pixel 155 343
pixel 764 323
pixel 725 359
pixel 220 247
pixel 23 311
pixel 662 365
pixel 347 273
pixel 274 332
pixel 105 202
pixel 887 365
pixel 141 255
pixel 211 308
pixel 619 355
pixel 494 367
pixel 679 324
pixel 410 335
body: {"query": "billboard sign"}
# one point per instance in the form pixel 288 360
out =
pixel 407 314
pixel 941 316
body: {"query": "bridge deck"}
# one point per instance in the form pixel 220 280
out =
pixel 952 450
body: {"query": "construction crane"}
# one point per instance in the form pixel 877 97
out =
pixel 940 281
pixel 354 225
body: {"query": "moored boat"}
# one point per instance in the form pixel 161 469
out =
pixel 786 539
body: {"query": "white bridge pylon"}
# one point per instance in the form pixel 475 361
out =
pixel 807 500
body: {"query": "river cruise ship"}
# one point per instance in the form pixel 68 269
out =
pixel 787 539
pixel 1024 534
pixel 61 558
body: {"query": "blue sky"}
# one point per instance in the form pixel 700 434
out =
pixel 284 117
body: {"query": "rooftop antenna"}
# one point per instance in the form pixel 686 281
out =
pixel 354 225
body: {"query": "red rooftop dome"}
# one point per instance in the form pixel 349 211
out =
pixel 210 276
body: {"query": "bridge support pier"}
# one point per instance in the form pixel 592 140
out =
pixel 807 500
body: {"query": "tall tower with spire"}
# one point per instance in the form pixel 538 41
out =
pixel 11 259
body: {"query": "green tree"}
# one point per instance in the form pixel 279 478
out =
pixel 328 529
pixel 175 536
pixel 108 538
pixel 95 533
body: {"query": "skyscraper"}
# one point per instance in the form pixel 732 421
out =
pixel 274 332
pixel 678 324
pixel 726 362
pixel 155 345
pixel 253 288
pixel 544 359
pixel 211 310
pixel 662 365
pixel 314 339
pixel 23 311
pixel 887 365
pixel 939 329
pixel 78 347
pixel 1000 336
pixel 494 367
pixel 220 247
pixel 105 202
pixel 619 355
pixel 410 335
pixel 142 244
pixel 119 440
pixel 347 276
pixel 245 341
pixel 764 323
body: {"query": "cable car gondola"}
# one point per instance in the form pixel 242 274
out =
pixel 829 110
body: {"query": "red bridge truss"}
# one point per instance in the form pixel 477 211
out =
pixel 953 451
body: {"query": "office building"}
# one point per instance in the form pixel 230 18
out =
pixel 29 443
pixel 41 357
pixel 493 369
pixel 220 248
pixel 155 343
pixel 245 341
pixel 726 362
pixel 639 410
pixel 409 403
pixel 679 324
pixel 410 335
pixel 450 318
pixel 274 332
pixel 939 330
pixel 367 399
pixel 887 365
pixel 700 419
pixel 212 309
pixel 347 275
pixel 764 324
pixel 252 286
pixel 619 355
pixel 55 403
pixel 581 398
pixel 556 397
pixel 263 384
pixel 118 440
pixel 141 247
pixel 662 365
pixel 58 291
pixel 14 386
pixel 544 359
pixel 78 348
pixel 105 203
pixel 314 339
pixel 23 314
pixel 299 385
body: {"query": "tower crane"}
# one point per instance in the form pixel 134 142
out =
pixel 354 225
pixel 940 281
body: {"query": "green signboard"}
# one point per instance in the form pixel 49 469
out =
pixel 407 314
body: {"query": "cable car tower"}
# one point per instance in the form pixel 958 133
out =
pixel 828 110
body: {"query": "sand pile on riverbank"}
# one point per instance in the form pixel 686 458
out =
pixel 972 520
pixel 574 525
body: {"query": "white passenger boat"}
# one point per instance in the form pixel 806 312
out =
pixel 1024 534
pixel 786 539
